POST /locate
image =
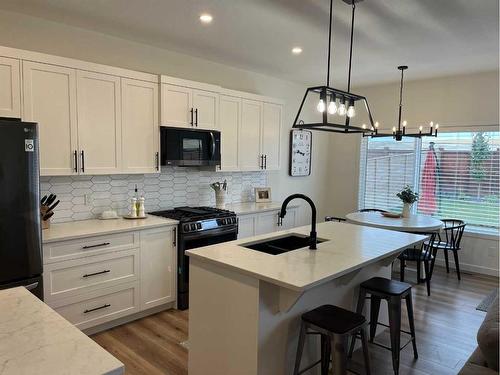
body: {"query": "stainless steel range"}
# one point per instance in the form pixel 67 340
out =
pixel 198 227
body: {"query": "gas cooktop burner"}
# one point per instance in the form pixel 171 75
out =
pixel 190 214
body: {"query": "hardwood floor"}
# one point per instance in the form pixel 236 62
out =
pixel 446 326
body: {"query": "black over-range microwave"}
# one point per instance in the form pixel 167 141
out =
pixel 189 147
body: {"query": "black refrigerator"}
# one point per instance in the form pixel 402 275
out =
pixel 20 230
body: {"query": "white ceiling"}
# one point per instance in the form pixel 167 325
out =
pixel 433 37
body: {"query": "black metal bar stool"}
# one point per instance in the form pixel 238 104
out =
pixel 335 325
pixel 393 292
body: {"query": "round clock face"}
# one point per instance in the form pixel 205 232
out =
pixel 300 152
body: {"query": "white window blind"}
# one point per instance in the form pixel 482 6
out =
pixel 456 174
pixel 459 178
pixel 386 167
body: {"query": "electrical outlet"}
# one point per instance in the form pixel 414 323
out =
pixel 88 199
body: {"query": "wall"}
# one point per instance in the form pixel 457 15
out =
pixel 25 32
pixel 174 187
pixel 465 102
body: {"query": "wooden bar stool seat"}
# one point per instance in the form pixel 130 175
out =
pixel 335 325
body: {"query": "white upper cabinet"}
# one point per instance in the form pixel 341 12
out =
pixel 249 154
pixel 99 123
pixel 50 100
pixel 176 106
pixel 158 270
pixel 206 108
pixel 189 104
pixel 140 126
pixel 10 88
pixel 229 121
pixel 271 135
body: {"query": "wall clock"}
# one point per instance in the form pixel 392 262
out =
pixel 300 153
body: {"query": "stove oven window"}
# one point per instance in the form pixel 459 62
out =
pixel 192 149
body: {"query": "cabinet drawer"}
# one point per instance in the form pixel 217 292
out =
pixel 68 278
pixel 99 307
pixel 83 247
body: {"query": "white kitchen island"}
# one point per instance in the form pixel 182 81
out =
pixel 245 305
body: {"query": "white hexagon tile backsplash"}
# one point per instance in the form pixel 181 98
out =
pixel 174 187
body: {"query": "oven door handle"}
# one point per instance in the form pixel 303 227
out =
pixel 210 233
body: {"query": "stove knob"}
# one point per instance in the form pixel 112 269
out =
pixel 186 227
pixel 198 225
pixel 223 221
pixel 234 220
pixel 193 226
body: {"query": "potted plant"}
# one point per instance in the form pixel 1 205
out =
pixel 408 196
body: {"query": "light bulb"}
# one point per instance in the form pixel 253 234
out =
pixel 405 123
pixel 420 128
pixel 363 126
pixel 376 124
pixel 431 124
pixel 321 106
pixel 351 112
pixel 342 109
pixel 437 126
pixel 394 129
pixel 332 107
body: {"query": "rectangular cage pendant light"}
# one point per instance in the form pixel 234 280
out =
pixel 329 109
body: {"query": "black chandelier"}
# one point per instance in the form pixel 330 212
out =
pixel 332 102
pixel 400 132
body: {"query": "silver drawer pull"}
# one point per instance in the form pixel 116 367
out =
pixel 97 308
pixel 98 245
pixel 96 273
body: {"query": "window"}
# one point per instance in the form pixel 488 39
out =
pixel 456 174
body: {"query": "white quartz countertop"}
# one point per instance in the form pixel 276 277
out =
pixel 348 247
pixel 252 207
pixel 34 339
pixel 86 228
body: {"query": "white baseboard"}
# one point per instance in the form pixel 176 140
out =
pixel 469 267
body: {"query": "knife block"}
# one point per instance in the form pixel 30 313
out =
pixel 45 223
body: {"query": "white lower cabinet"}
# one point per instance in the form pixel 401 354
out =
pixel 158 258
pixel 95 280
pixel 101 306
pixel 265 222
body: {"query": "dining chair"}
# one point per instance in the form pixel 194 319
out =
pixel 420 254
pixel 371 210
pixel 334 218
pixel 452 233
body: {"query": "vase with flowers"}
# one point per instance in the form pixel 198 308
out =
pixel 408 196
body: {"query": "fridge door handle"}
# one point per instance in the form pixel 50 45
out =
pixel 31 286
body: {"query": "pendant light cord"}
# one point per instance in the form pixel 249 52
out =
pixel 350 49
pixel 400 99
pixel 329 43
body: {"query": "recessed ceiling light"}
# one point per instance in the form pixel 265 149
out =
pixel 206 18
pixel 296 50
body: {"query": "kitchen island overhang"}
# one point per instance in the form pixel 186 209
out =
pixel 245 305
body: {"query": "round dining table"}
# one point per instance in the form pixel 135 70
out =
pixel 414 223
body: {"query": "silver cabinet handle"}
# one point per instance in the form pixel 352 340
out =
pixel 86 311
